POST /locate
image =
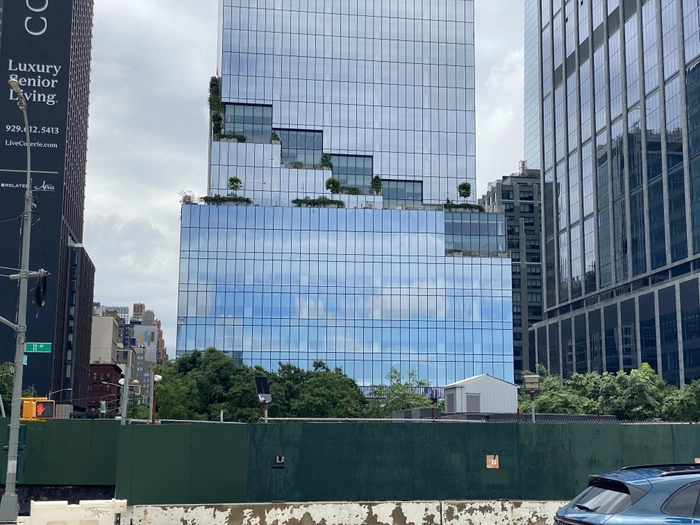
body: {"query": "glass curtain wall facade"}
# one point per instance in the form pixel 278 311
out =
pixel 365 290
pixel 531 154
pixel 377 278
pixel 619 154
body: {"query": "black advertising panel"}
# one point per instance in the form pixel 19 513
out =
pixel 35 50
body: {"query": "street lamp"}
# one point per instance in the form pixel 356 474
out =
pixel 57 391
pixel 125 393
pixel 156 378
pixel 9 504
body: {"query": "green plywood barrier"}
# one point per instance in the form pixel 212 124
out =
pixel 182 464
pixel 380 461
pixel 211 463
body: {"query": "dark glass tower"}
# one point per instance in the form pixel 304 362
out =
pixel 518 196
pixel 620 154
pixel 47 48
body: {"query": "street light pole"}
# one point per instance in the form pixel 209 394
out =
pixel 154 380
pixel 9 504
pixel 57 391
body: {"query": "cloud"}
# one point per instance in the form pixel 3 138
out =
pixel 499 90
pixel 147 141
pixel 134 263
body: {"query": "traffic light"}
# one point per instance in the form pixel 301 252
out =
pixel 37 409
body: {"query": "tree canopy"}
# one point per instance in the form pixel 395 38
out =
pixel 640 395
pixel 198 385
pixel 464 190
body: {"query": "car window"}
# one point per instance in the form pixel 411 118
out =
pixel 683 501
pixel 602 500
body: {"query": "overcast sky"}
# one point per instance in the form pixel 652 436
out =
pixel 151 63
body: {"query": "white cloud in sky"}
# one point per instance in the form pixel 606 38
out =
pixel 151 64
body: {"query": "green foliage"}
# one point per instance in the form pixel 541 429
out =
pixel 376 185
pixel 464 190
pixel 274 136
pixel 216 124
pixel 218 200
pixel 198 385
pixel 397 395
pixel 137 410
pixel 640 395
pixel 6 387
pixel 345 190
pixel 333 185
pixel 214 95
pixel 326 160
pixel 187 197
pixel 449 205
pixel 235 184
pixel 233 135
pixel 297 165
pixel 321 202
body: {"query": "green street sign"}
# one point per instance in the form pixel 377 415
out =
pixel 24 360
pixel 43 348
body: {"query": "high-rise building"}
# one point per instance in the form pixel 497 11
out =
pixel 532 117
pixel 46 46
pixel 373 278
pixel 620 154
pixel 518 196
pixel 105 337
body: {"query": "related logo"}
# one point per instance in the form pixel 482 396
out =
pixel 45 187
pixel 49 188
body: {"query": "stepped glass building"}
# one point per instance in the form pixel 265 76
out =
pixel 365 279
pixel 620 153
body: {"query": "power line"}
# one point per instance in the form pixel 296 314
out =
pixel 10 220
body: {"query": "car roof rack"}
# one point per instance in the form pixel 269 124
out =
pixel 669 469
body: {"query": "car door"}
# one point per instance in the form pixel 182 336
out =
pixel 681 508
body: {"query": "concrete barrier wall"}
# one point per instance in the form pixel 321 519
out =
pixel 364 513
pixel 96 512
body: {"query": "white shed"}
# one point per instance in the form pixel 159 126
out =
pixel 483 393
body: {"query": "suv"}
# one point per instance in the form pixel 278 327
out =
pixel 641 495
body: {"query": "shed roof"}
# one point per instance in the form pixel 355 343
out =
pixel 477 379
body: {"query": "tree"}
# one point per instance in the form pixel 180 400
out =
pixel 397 395
pixel 464 190
pixel 333 185
pixel 198 385
pixel 640 395
pixel 326 161
pixel 177 395
pixel 235 184
pixel 187 197
pixel 376 185
pixel 327 394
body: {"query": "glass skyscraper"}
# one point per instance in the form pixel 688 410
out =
pixel 621 159
pixel 531 121
pixel 368 279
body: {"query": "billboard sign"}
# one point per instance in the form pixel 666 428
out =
pixel 35 50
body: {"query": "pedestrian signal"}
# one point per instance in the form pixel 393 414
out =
pixel 34 409
pixel 45 409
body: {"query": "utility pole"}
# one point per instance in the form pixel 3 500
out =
pixel 9 505
pixel 125 387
